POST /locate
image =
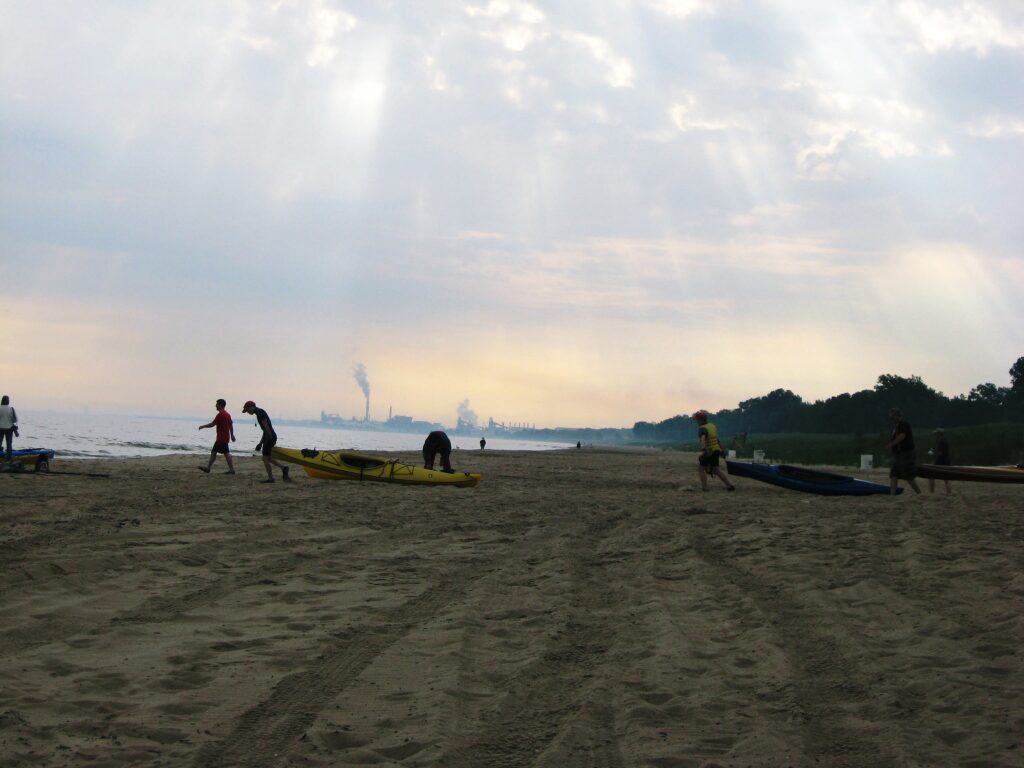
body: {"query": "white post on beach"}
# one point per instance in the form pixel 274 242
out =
pixel 867 461
pixel 732 454
pixel 759 457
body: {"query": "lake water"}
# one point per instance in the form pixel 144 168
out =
pixel 86 435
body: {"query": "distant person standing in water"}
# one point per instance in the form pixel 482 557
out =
pixel 483 443
pixel 940 454
pixel 225 429
pixel 8 425
pixel 710 452
pixel 904 458
pixel 267 442
pixel 437 442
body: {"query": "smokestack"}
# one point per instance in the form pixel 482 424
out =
pixel 367 416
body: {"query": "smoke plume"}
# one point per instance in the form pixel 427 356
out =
pixel 359 373
pixel 466 413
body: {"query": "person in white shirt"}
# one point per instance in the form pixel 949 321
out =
pixel 8 424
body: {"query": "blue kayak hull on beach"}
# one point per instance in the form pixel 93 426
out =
pixel 806 480
pixel 31 458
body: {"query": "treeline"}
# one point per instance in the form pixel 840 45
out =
pixel 861 412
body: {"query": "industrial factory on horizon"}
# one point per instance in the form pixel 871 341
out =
pixel 466 421
pixel 399 423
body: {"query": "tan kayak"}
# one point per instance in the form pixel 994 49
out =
pixel 971 474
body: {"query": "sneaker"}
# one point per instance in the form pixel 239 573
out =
pixel 284 471
pixel 204 469
pixel 730 488
pixel 270 480
pixel 230 472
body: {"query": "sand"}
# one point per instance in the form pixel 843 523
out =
pixel 577 608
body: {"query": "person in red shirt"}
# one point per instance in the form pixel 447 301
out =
pixel 225 429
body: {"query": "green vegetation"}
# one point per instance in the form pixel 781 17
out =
pixel 985 445
pixel 984 426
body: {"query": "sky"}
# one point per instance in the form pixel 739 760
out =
pixel 568 213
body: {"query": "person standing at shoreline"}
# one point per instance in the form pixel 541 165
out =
pixel 225 429
pixel 710 452
pixel 904 458
pixel 940 454
pixel 267 442
pixel 8 425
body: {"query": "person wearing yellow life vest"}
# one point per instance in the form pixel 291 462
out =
pixel 710 452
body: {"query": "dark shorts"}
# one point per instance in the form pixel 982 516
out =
pixel 904 465
pixel 709 460
pixel 220 448
pixel 268 445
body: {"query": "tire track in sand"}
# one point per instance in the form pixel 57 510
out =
pixel 826 681
pixel 164 608
pixel 557 694
pixel 265 731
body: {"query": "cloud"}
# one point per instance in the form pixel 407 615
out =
pixel 965 25
pixel 685 116
pixel 997 127
pixel 618 69
pixel 681 9
pixel 844 122
pixel 514 24
pixel 326 24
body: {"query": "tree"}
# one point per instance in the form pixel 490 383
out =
pixel 1015 396
pixel 1017 376
pixel 917 400
pixel 989 394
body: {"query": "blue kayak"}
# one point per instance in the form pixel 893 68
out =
pixel 31 458
pixel 806 480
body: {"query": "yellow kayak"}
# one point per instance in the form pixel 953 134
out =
pixel 348 465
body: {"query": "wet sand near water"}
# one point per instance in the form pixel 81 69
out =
pixel 576 609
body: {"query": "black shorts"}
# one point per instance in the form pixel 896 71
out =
pixel 268 444
pixel 709 460
pixel 904 465
pixel 220 448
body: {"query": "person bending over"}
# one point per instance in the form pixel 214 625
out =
pixel 437 442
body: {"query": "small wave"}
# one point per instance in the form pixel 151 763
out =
pixel 163 447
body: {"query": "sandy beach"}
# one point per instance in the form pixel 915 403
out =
pixel 577 608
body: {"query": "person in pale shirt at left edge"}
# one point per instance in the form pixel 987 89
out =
pixel 8 425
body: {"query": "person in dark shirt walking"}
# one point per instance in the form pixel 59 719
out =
pixel 904 458
pixel 267 442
